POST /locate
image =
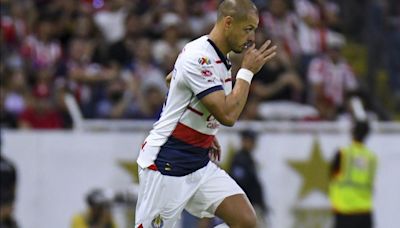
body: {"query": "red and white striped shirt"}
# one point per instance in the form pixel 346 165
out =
pixel 283 29
pixel 312 40
pixel 335 79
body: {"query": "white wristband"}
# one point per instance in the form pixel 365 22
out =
pixel 245 74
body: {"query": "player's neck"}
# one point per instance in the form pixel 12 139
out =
pixel 217 37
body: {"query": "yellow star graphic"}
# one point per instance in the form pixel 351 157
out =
pixel 314 171
pixel 132 168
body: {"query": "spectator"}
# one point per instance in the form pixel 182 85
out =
pixel 41 49
pixel 64 14
pixel 84 28
pixel 111 19
pixel 14 29
pixel 281 92
pixel 84 77
pixel 330 78
pixel 117 102
pixel 275 82
pixel 278 89
pixel 41 113
pixel 137 40
pixel 150 102
pixel 170 43
pixel 243 171
pixel 143 68
pixel 316 17
pixel 98 214
pixel 281 25
pixel 7 119
pixel 122 52
pixel 200 21
pixel 15 25
pixel 16 93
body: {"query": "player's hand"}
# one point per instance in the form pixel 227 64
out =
pixel 254 58
pixel 215 150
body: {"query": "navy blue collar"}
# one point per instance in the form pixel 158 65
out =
pixel 221 55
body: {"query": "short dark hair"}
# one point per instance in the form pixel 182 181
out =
pixel 360 130
pixel 96 198
pixel 250 134
pixel 238 9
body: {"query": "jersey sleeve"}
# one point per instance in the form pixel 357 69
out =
pixel 200 76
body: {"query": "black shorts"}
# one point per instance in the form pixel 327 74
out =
pixel 353 221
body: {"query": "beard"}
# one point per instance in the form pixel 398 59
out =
pixel 233 45
pixel 239 49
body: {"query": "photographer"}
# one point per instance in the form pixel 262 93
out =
pixel 98 214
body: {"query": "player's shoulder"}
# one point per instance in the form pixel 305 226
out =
pixel 198 51
pixel 198 44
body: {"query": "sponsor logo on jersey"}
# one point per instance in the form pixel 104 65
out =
pixel 168 167
pixel 204 61
pixel 157 222
pixel 206 73
pixel 212 123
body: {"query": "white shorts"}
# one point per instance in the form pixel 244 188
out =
pixel 162 198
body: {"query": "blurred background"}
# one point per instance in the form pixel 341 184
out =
pixel 82 81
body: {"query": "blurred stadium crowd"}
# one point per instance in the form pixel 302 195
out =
pixel 113 55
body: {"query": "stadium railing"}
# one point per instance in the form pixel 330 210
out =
pixel 82 124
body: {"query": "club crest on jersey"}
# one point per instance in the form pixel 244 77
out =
pixel 206 73
pixel 157 222
pixel 204 60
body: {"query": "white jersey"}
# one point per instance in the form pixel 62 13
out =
pixel 181 138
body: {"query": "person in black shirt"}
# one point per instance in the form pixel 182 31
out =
pixel 244 172
pixel 8 183
pixel 276 82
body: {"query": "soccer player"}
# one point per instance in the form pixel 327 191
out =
pixel 175 168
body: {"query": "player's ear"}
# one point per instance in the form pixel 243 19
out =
pixel 228 22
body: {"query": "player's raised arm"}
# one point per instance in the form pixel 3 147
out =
pixel 227 109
